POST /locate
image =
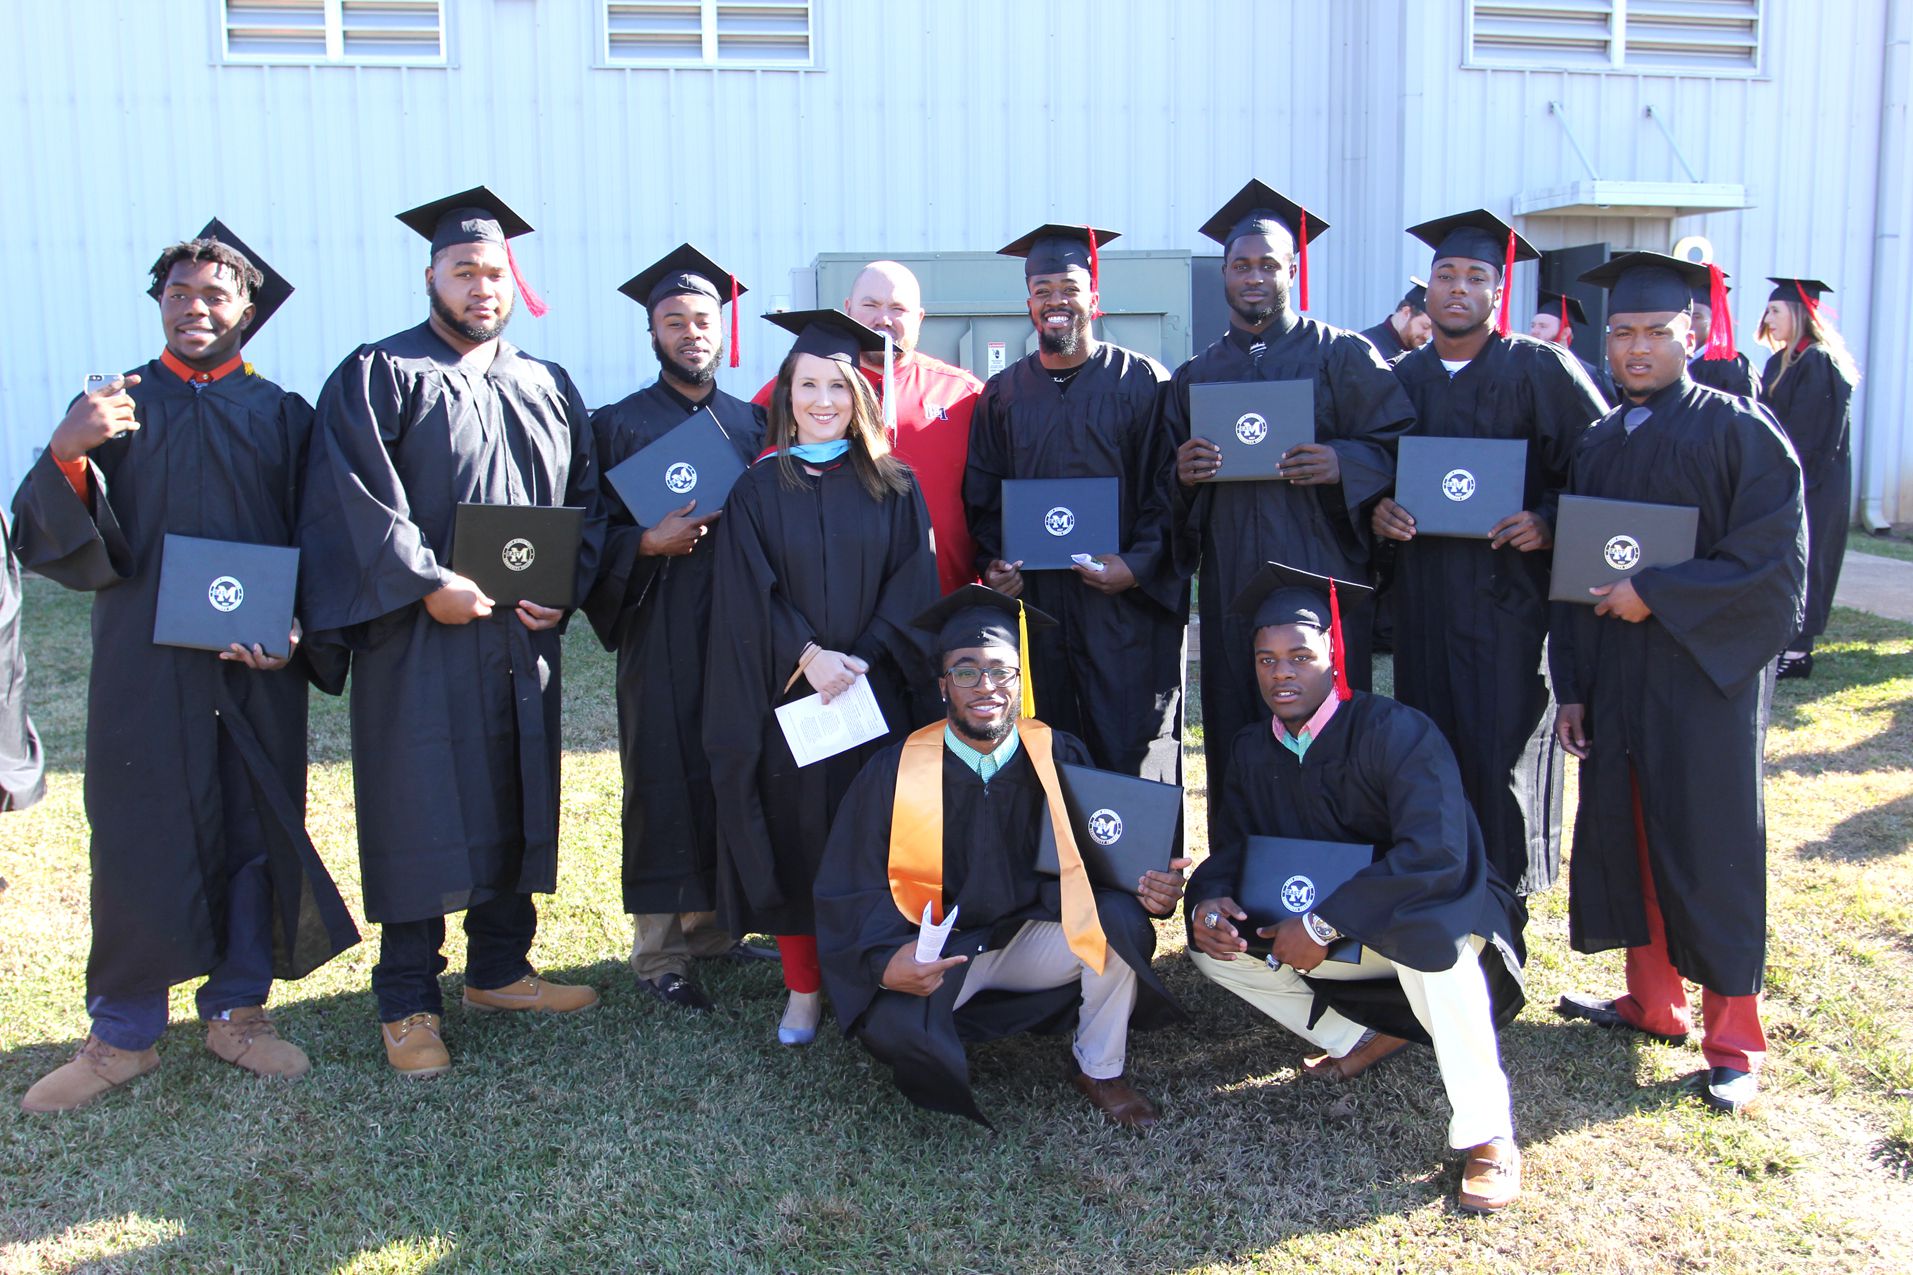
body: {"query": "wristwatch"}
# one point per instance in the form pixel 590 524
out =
pixel 1319 930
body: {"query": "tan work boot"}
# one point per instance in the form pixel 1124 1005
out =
pixel 533 993
pixel 414 1047
pixel 247 1038
pixel 97 1068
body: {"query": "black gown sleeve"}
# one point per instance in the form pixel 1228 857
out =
pixel 625 573
pixel 985 469
pixel 1151 474
pixel 1361 412
pixel 1566 402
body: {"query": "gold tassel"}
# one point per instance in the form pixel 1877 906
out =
pixel 1023 657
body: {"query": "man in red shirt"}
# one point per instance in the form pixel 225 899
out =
pixel 934 401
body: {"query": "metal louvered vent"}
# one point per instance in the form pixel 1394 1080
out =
pixel 1719 36
pixel 378 32
pixel 757 33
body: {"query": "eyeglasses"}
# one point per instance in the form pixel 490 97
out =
pixel 969 678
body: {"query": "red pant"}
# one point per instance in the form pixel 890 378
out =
pixel 802 973
pixel 1656 997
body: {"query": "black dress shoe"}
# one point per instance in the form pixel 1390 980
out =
pixel 1603 1014
pixel 1729 1089
pixel 742 951
pixel 1792 666
pixel 675 989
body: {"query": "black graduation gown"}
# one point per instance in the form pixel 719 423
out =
pixel 1228 530
pixel 1471 621
pixel 655 613
pixel 1379 774
pixel 990 836
pixel 455 728
pixel 1729 376
pixel 22 781
pixel 1813 401
pixel 1676 701
pixel 1110 671
pixel 819 562
pixel 1387 342
pixel 222 461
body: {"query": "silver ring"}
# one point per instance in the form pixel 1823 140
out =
pixel 1212 919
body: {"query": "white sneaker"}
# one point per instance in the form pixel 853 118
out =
pixel 801 1015
pixel 1729 1089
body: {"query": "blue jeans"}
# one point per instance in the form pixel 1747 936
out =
pixel 498 934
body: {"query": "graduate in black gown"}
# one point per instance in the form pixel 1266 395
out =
pixel 1808 383
pixel 1110 673
pixel 1438 927
pixel 22 767
pixel 1663 685
pixel 823 557
pixel 1407 329
pixel 950 819
pixel 195 760
pixel 652 605
pixel 455 695
pixel 1558 319
pixel 1717 361
pixel 1472 615
pixel 1315 518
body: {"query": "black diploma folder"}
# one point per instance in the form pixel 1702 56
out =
pixel 1284 877
pixel 694 461
pixel 1124 826
pixel 1601 541
pixel 1046 520
pixel 516 552
pixel 1253 423
pixel 1460 486
pixel 213 593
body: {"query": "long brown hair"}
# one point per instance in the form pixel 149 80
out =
pixel 1810 327
pixel 880 472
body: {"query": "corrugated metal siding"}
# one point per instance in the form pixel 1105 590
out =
pixel 935 126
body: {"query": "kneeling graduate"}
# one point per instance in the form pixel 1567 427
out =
pixel 950 820
pixel 1434 923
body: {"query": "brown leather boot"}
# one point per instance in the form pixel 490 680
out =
pixel 1490 1177
pixel 531 993
pixel 414 1047
pixel 97 1068
pixel 247 1038
pixel 1120 1102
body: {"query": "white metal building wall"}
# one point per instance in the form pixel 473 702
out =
pixel 935 125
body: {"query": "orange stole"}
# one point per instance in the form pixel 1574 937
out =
pixel 916 838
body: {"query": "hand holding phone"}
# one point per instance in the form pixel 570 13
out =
pixel 103 412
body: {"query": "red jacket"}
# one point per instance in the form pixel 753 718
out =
pixel 934 402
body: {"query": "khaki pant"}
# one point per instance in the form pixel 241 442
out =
pixel 1452 1006
pixel 1037 959
pixel 664 942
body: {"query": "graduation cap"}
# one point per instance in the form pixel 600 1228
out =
pixel 1567 307
pixel 1257 209
pixel 975 616
pixel 475 216
pixel 273 288
pixel 829 334
pixel 1479 236
pixel 1416 298
pixel 1653 283
pixel 685 270
pixel 1806 291
pixel 1052 248
pixel 1281 594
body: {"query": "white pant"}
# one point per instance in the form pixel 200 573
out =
pixel 1037 959
pixel 1452 1006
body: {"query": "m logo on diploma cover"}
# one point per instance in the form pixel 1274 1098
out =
pixel 1298 894
pixel 681 477
pixel 1458 484
pixel 226 594
pixel 1251 428
pixel 1622 552
pixel 1106 827
pixel 1059 521
pixel 517 554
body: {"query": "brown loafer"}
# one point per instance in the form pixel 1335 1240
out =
pixel 533 994
pixel 1490 1177
pixel 247 1038
pixel 1120 1102
pixel 97 1068
pixel 1372 1049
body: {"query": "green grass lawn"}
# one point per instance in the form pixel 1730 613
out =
pixel 1895 544
pixel 636 1139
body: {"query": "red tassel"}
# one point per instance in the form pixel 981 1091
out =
pixel 1564 312
pixel 733 320
pixel 1305 258
pixel 1095 276
pixel 1720 337
pixel 1507 287
pixel 1336 661
pixel 533 302
pixel 1813 307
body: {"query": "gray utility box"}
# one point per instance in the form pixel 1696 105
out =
pixel 978 317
